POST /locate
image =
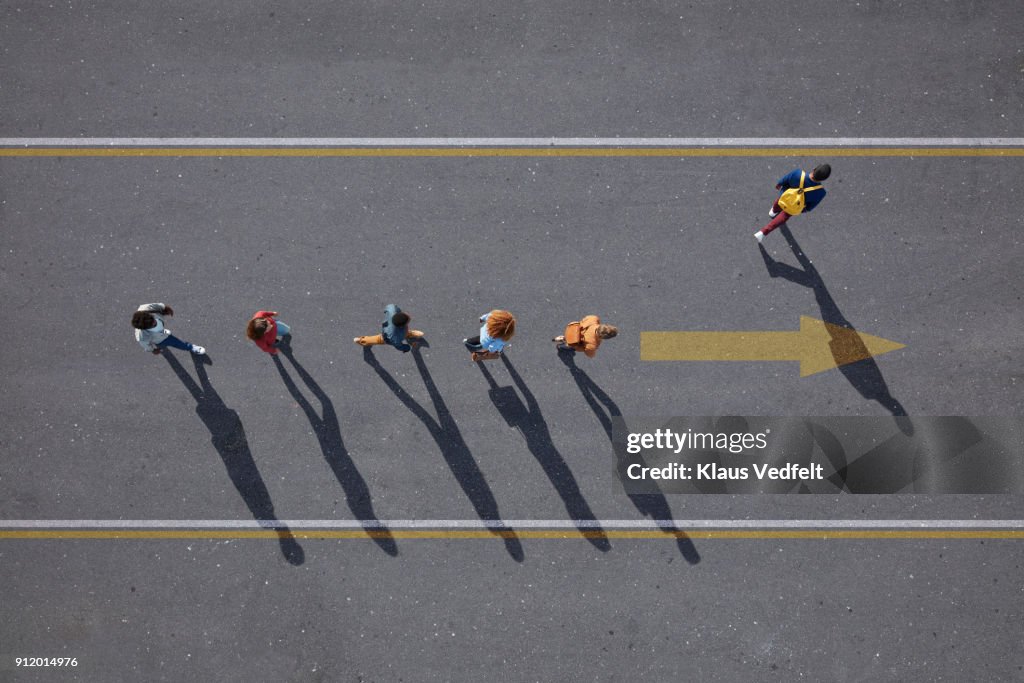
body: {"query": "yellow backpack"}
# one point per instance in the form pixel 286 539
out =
pixel 792 201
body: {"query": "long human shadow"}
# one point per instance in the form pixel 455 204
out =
pixel 864 375
pixel 228 437
pixel 328 433
pixel 530 422
pixel 653 505
pixel 454 450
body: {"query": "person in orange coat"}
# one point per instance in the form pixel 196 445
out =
pixel 265 331
pixel 585 335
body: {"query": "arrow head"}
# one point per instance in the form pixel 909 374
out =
pixel 824 346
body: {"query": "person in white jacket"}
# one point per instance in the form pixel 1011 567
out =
pixel 151 333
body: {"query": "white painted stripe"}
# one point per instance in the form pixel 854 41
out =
pixel 513 523
pixel 511 142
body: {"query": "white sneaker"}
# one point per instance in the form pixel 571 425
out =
pixel 772 214
pixel 759 236
pixel 198 350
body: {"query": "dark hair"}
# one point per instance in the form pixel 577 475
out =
pixel 143 320
pixel 256 328
pixel 400 319
pixel 822 172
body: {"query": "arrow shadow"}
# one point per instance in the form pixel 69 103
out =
pixel 228 437
pixel 653 505
pixel 328 433
pixel 864 375
pixel 531 424
pixel 453 447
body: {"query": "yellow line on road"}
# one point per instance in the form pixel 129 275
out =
pixel 449 534
pixel 511 151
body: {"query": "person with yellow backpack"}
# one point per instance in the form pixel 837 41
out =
pixel 799 192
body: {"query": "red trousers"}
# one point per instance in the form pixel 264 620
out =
pixel 777 221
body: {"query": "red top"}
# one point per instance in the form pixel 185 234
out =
pixel 266 342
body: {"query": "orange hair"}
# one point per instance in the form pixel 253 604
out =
pixel 501 325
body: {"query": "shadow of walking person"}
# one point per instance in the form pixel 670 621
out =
pixel 228 437
pixel 653 505
pixel 454 450
pixel 864 375
pixel 328 434
pixel 530 422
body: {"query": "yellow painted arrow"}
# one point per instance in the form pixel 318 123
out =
pixel 819 346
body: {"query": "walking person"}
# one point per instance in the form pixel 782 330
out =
pixel 395 331
pixel 153 335
pixel 267 332
pixel 585 335
pixel 498 328
pixel 799 192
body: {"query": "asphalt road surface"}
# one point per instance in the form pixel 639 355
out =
pixel 922 250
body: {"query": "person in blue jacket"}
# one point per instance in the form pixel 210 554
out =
pixel 395 331
pixel 498 327
pixel 812 197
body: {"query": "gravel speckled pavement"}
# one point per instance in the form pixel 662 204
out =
pixel 921 250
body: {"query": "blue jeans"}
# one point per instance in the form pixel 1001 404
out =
pixel 174 343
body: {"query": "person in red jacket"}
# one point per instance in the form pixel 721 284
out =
pixel 266 331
